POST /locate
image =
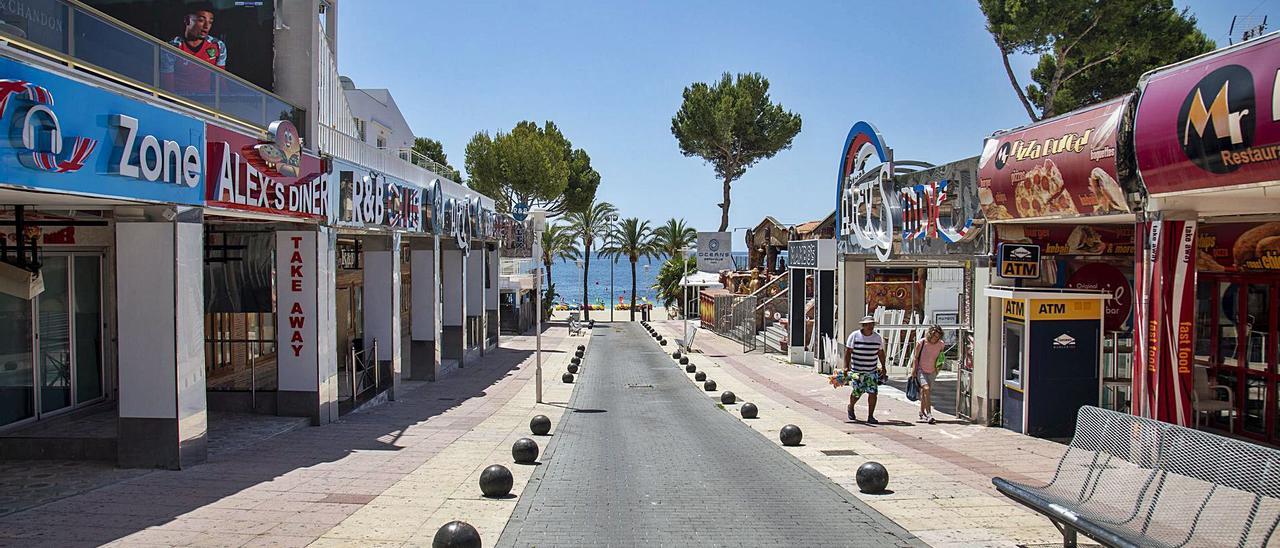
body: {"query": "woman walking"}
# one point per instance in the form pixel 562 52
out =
pixel 925 368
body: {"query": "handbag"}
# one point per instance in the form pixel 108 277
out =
pixel 913 389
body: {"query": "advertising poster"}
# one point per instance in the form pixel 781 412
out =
pixel 368 198
pixel 715 252
pixel 232 35
pixel 1111 280
pixel 1064 167
pixel 1072 240
pixel 1212 122
pixel 1238 247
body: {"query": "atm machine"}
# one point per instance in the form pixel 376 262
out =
pixel 1050 350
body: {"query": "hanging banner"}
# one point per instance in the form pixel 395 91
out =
pixel 1164 322
pixel 1211 122
pixel 1063 167
pixel 715 252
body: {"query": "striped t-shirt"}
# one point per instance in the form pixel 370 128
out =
pixel 864 351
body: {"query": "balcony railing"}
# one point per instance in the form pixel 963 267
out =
pixel 349 148
pixel 416 158
pixel 97 42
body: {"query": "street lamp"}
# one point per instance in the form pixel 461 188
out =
pixel 684 289
pixel 537 225
pixel 613 219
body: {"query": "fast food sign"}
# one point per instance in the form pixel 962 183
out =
pixel 1211 122
pixel 1064 167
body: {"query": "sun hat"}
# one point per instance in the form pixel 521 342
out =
pixel 867 319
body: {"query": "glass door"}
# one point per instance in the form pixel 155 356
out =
pixel 54 335
pixel 17 370
pixel 1240 346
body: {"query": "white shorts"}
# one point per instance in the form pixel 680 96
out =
pixel 925 379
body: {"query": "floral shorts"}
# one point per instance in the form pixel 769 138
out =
pixel 865 383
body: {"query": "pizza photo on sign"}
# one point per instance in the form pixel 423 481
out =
pixel 1042 192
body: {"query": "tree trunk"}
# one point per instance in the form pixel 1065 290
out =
pixel 633 289
pixel 1013 80
pixel 724 208
pixel 548 265
pixel 586 268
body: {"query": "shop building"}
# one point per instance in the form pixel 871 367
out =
pixel 235 251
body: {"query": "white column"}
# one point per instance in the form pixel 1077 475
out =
pixel 492 295
pixel 423 312
pixel 306 325
pixel 851 276
pixel 475 297
pixel 452 306
pixel 160 303
pixel 382 304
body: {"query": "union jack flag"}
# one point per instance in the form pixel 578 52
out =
pixel 81 148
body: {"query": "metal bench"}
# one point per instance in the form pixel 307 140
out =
pixel 1130 481
pixel 575 325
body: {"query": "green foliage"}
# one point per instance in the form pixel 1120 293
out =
pixel 534 165
pixel 670 238
pixel 1090 50
pixel 434 151
pixel 630 239
pixel 586 226
pixel 732 124
pixel 667 283
pixel 557 243
pixel 549 300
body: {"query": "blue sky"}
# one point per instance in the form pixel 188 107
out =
pixel 610 74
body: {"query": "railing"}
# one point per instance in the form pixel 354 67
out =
pixel 418 159
pixel 346 147
pixel 515 267
pixel 89 39
pixel 365 371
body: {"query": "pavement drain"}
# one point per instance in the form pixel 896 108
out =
pixel 839 452
pixel 347 498
pixel 639 386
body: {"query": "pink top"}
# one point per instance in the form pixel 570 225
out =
pixel 929 355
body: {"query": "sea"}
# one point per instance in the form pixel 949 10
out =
pixel 567 275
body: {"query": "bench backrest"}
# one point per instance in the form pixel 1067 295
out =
pixel 1175 449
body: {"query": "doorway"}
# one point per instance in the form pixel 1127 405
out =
pixel 51 346
pixel 1236 328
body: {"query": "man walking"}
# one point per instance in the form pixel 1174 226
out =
pixel 865 357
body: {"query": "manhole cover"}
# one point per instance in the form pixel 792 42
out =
pixel 839 452
pixel 639 386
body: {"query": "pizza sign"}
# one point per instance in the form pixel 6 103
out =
pixel 1064 167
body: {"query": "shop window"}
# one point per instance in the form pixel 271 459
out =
pixel 1204 322
pixel 240 351
pixel 1228 334
pixel 1257 326
pixel 240 320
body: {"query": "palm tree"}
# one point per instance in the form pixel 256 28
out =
pixel 670 238
pixel 632 239
pixel 557 243
pixel 586 226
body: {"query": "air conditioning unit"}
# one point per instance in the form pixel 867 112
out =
pixel 20 282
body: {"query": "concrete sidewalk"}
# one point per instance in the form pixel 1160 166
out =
pixel 940 475
pixel 387 476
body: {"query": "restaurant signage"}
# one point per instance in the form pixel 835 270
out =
pixel 1072 240
pixel 812 254
pixel 266 176
pixel 371 199
pixel 1063 167
pixel 715 252
pixel 1211 122
pixel 1238 247
pixel 74 137
pixel 1108 279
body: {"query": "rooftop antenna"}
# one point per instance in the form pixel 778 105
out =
pixel 1250 27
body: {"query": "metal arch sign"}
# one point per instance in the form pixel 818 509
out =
pixel 866 169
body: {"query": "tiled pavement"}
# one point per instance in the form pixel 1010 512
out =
pixel 940 475
pixel 387 476
pixel 644 459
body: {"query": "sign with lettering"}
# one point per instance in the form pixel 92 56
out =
pixel 70 136
pixel 1065 309
pixel 812 254
pixel 296 301
pixel 265 175
pixel 1062 167
pixel 371 199
pixel 1072 240
pixel 1019 260
pixel 715 252
pixel 1211 122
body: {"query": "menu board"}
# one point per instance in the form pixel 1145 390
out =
pixel 1073 240
pixel 1238 247
pixel 1063 167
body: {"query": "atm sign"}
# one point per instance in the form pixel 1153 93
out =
pixel 1019 260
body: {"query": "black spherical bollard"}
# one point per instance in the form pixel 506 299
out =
pixel 456 534
pixel 872 477
pixel 575 360
pixel 700 376
pixel 573 368
pixel 578 354
pixel 676 354
pixel 567 378
pixel 790 435
pixel 749 410
pixel 663 342
pixel 728 398
pixel 524 451
pixel 690 368
pixel 684 360
pixel 591 324
pixel 582 347
pixel 709 386
pixel 496 481
pixel 540 425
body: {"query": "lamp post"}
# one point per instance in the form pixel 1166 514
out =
pixel 684 289
pixel 538 224
pixel 613 219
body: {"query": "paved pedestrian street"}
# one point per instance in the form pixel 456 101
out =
pixel 643 458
